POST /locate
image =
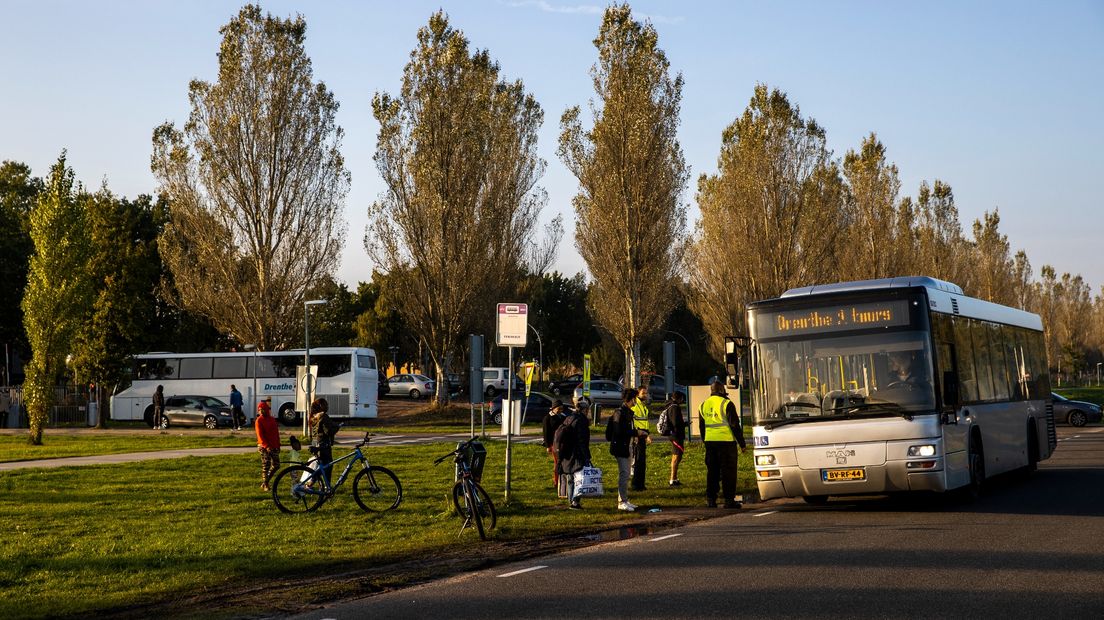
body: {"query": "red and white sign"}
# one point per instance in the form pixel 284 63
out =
pixel 513 325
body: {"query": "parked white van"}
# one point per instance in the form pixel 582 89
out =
pixel 494 381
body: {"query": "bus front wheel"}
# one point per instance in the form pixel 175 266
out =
pixel 288 415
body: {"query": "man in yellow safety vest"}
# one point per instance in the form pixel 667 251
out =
pixel 722 430
pixel 642 439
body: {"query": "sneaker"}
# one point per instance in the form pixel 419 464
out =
pixel 627 507
pixel 675 483
pixel 733 505
pixel 574 506
pixel 712 503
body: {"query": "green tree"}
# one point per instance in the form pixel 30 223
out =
pixel 457 152
pixel 558 311
pixel 255 183
pixel 124 270
pixel 772 216
pixel 58 288
pixel 18 193
pixel 871 198
pixel 994 269
pixel 631 171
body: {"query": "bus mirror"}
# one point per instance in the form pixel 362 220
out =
pixel 950 388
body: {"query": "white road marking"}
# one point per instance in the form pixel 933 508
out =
pixel 659 538
pixel 763 514
pixel 524 570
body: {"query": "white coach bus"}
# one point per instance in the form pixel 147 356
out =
pixel 899 384
pixel 347 378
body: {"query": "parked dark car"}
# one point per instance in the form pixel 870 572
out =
pixel 384 387
pixel 456 383
pixel 206 411
pixel 565 386
pixel 1074 412
pixel 533 411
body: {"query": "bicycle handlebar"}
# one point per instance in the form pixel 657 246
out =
pixel 455 452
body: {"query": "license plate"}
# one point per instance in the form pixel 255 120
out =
pixel 835 475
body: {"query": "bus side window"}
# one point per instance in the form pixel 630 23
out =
pixel 964 350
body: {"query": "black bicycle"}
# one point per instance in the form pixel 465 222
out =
pixel 301 488
pixel 471 501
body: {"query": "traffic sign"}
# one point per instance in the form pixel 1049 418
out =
pixel 513 325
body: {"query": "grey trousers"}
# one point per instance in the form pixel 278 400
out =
pixel 623 474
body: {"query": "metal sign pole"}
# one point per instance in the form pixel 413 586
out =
pixel 509 417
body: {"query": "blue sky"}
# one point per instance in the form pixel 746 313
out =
pixel 1002 100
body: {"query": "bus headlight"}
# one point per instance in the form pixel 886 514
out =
pixel 924 450
pixel 765 459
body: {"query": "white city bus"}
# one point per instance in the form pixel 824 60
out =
pixel 347 378
pixel 899 384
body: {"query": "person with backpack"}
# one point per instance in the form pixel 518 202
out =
pixel 620 431
pixel 571 444
pixel 722 430
pixel 673 425
pixel 552 421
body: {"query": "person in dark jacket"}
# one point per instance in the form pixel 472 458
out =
pixel 678 435
pixel 572 447
pixel 552 421
pixel 621 432
pixel 236 408
pixel 722 431
pixel 158 406
pixel 324 430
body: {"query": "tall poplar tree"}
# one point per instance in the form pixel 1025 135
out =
pixel 772 216
pixel 256 184
pixel 58 289
pixel 630 224
pixel 457 149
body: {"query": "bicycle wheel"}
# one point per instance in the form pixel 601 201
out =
pixel 377 489
pixel 298 489
pixel 486 506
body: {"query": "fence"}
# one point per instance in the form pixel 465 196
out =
pixel 70 407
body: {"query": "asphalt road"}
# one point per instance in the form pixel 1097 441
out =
pixel 1026 549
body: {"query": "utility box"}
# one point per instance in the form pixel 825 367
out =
pixel 475 456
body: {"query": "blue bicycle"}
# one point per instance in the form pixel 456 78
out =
pixel 301 488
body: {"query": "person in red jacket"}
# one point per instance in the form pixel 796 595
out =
pixel 268 442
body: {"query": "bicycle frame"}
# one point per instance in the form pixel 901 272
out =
pixel 356 455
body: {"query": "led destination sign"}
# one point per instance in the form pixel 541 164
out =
pixel 832 319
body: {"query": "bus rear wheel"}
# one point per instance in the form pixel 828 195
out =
pixel 288 415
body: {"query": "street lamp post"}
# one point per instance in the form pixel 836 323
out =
pixel 540 355
pixel 1098 374
pixel 306 351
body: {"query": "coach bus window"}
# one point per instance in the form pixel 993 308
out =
pixel 159 369
pixel 195 368
pixel 982 363
pixel 1000 364
pixel 964 352
pixel 230 367
pixel 366 361
pixel 332 365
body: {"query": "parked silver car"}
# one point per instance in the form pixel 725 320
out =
pixel 605 393
pixel 1074 412
pixel 189 410
pixel 414 386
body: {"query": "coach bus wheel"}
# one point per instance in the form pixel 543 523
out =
pixel 148 417
pixel 288 415
pixel 815 500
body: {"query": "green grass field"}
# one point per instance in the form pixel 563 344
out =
pixel 16 448
pixel 94 538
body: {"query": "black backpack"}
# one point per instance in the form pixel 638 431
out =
pixel 611 428
pixel 565 432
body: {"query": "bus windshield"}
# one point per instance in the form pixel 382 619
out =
pixel 843 377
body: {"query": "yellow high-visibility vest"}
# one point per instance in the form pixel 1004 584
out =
pixel 713 413
pixel 640 415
